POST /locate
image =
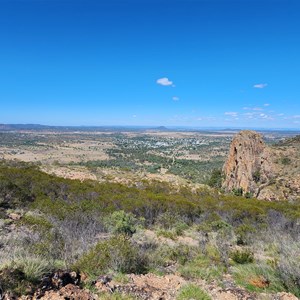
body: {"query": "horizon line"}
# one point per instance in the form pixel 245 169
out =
pixel 154 126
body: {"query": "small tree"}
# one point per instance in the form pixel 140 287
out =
pixel 216 178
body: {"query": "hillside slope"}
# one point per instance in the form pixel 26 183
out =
pixel 59 237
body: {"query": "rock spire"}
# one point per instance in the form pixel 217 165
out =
pixel 248 167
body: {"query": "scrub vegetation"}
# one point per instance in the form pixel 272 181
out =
pixel 96 228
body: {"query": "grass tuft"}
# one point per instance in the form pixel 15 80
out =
pixel 192 291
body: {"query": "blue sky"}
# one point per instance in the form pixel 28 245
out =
pixel 147 62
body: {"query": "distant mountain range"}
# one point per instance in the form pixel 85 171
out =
pixel 8 127
pixel 39 127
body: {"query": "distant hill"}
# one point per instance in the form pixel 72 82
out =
pixel 9 127
pixel 290 141
pixel 161 128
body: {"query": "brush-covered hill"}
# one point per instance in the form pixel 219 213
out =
pixel 62 238
pixel 294 141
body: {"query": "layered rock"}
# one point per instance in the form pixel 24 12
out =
pixel 249 166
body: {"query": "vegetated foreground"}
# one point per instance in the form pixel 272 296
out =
pixel 138 225
pixel 71 239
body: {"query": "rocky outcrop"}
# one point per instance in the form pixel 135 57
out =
pixel 265 172
pixel 249 167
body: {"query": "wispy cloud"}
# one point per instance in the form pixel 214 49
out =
pixel 175 98
pixel 252 108
pixel 292 117
pixel 260 85
pixel 266 117
pixel 164 81
pixel 231 113
pixel 252 113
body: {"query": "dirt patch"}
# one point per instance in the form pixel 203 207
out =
pixel 146 287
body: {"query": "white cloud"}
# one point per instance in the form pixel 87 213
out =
pixel 231 113
pixel 265 116
pixel 260 85
pixel 266 104
pixel 164 81
pixel 175 98
pixel 134 116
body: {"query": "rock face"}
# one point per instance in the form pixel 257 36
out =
pixel 248 167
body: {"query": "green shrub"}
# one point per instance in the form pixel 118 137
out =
pixel 256 176
pixel 202 267
pixel 219 225
pixel 180 227
pixel 183 253
pixel 214 223
pixel 242 256
pixel 248 195
pixel 285 160
pixel 192 291
pixel 121 222
pixel 168 220
pixel 117 254
pixel 243 233
pixel 238 192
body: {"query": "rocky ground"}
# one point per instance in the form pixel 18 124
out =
pixel 62 285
